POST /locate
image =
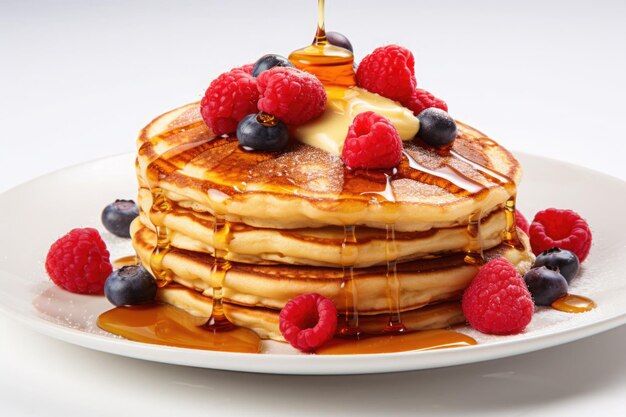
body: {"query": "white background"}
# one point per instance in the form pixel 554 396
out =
pixel 79 79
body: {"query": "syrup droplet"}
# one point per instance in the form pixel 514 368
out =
pixel 572 303
pixel 423 340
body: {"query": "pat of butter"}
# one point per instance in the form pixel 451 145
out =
pixel 328 132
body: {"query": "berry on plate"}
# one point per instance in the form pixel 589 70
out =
pixel 388 71
pixel 421 100
pixel 565 229
pixel 117 217
pixel 262 132
pixel 521 222
pixel 565 261
pixel 545 285
pixel 130 286
pixel 270 61
pixel 308 321
pixel 229 98
pixel 79 262
pixel 437 128
pixel 372 142
pixel 498 301
pixel 291 95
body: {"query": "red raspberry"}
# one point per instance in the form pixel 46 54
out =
pixel 230 97
pixel 521 222
pixel 247 68
pixel 421 100
pixel 498 301
pixel 79 262
pixel 372 142
pixel 293 96
pixel 308 321
pixel 388 71
pixel 563 229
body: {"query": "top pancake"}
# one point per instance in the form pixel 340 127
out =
pixel 307 187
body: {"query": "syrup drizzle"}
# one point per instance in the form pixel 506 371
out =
pixel 474 253
pixel 572 303
pixel 422 340
pixel 387 193
pixel 331 64
pixel 447 173
pixel 394 324
pixel 160 207
pixel 163 324
pixel 349 256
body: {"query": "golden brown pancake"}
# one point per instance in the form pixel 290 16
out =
pixel 307 187
pixel 421 282
pixel 265 321
pixel 316 246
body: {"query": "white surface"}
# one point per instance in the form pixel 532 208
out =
pixel 30 297
pixel 78 80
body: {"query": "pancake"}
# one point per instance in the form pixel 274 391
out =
pixel 316 246
pixel 265 321
pixel 421 282
pixel 305 187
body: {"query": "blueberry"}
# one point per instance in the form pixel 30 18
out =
pixel 262 132
pixel 270 61
pixel 565 261
pixel 338 39
pixel 130 286
pixel 117 216
pixel 545 285
pixel 437 127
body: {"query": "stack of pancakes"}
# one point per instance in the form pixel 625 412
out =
pixel 406 241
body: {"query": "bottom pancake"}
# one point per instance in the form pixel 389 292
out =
pixel 420 283
pixel 265 321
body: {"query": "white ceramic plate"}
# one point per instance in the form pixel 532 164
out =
pixel 34 214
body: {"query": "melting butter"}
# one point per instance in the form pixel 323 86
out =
pixel 329 131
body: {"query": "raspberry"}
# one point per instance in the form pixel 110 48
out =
pixel 230 97
pixel 421 100
pixel 79 262
pixel 388 71
pixel 563 229
pixel 498 301
pixel 291 95
pixel 308 321
pixel 247 68
pixel 521 222
pixel 372 142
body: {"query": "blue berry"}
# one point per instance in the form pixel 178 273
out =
pixel 437 127
pixel 262 132
pixel 545 285
pixel 565 261
pixel 130 286
pixel 338 39
pixel 270 61
pixel 117 216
